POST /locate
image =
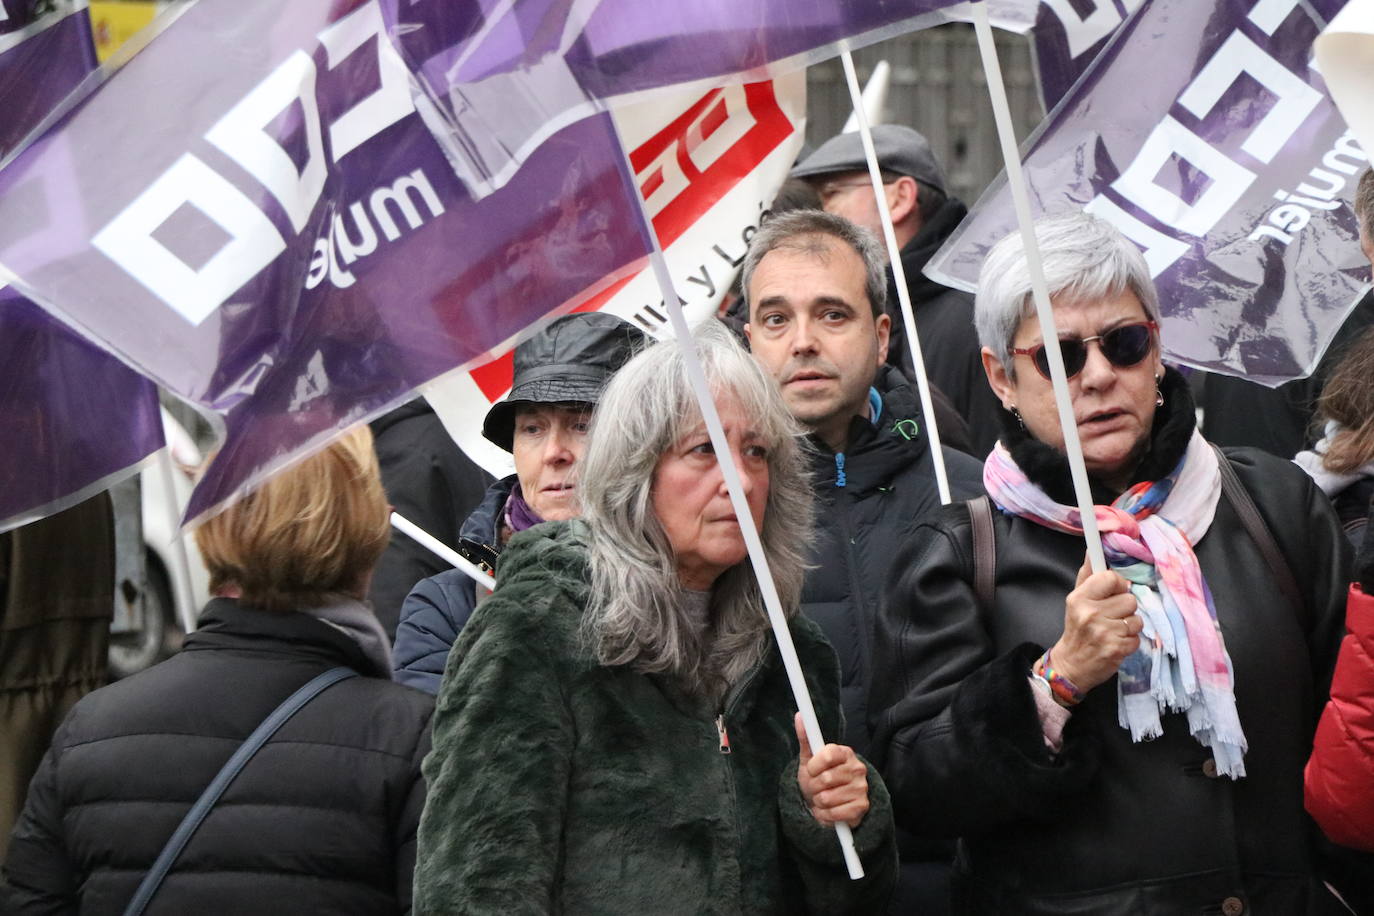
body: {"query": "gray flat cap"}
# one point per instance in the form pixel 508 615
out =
pixel 900 149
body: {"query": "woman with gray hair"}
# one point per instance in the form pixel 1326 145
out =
pixel 1126 741
pixel 615 729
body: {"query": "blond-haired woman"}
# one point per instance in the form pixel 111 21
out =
pixel 322 819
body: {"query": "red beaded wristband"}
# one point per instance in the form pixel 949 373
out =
pixel 1063 688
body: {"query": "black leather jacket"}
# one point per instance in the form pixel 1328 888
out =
pixel 1108 826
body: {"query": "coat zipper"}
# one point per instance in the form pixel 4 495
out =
pixel 722 732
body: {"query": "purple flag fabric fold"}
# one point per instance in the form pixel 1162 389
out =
pixel 291 252
pixel 1202 133
pixel 1068 36
pixel 498 76
pixel 41 60
pixel 75 418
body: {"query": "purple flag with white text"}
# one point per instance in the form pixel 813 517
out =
pixel 294 251
pixel 289 249
pixel 500 76
pixel 1068 35
pixel 75 418
pixel 1202 133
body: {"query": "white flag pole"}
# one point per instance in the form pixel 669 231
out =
pixel 181 562
pixel 1016 181
pixel 894 256
pixel 874 96
pixel 737 499
pixel 440 549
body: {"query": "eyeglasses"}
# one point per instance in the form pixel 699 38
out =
pixel 829 189
pixel 1125 345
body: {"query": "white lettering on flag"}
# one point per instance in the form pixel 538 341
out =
pixel 1269 14
pixel 1170 139
pixel 1239 55
pixel 382 108
pixel 243 137
pixel 1084 31
pixel 194 294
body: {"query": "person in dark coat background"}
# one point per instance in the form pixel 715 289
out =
pixel 57 594
pixel 559 374
pixel 433 483
pixel 923 216
pixel 814 283
pixel 323 818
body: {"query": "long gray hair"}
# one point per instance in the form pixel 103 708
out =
pixel 637 613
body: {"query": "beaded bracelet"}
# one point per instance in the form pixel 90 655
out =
pixel 1062 687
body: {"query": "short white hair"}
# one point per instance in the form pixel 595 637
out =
pixel 1085 259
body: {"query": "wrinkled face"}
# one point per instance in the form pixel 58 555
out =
pixel 549 441
pixel 1113 406
pixel 812 328
pixel 692 504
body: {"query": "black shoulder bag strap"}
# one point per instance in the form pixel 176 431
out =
pixel 189 824
pixel 1259 532
pixel 984 551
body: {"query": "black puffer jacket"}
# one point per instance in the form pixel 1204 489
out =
pixel 321 820
pixel 944 324
pixel 887 488
pixel 1109 827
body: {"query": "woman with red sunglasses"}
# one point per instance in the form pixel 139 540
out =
pixel 1129 741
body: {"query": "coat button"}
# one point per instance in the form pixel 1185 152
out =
pixel 1209 769
pixel 1232 906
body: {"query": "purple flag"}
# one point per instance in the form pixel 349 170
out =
pixel 1202 133
pixel 290 250
pixel 1068 35
pixel 75 418
pixel 500 76
pixel 40 62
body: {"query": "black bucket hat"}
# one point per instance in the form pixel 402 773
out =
pixel 569 360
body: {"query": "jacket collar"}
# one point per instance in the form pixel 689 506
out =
pixel 1048 468
pixel 226 624
pixel 922 248
pixel 481 524
pixel 874 454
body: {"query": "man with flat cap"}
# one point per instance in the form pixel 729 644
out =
pixel 559 375
pixel 923 216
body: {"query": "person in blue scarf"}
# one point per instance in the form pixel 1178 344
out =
pixel 559 375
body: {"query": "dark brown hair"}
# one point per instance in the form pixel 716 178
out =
pixel 1348 398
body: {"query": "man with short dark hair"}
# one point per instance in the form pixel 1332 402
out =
pixel 815 288
pixel 923 216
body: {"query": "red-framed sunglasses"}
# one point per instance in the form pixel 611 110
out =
pixel 1124 345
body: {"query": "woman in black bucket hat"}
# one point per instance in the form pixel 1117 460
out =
pixel 559 375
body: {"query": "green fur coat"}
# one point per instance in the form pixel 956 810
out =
pixel 557 785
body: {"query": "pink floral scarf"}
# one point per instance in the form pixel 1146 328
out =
pixel 1147 536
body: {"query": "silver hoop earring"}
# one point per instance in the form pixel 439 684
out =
pixel 1159 395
